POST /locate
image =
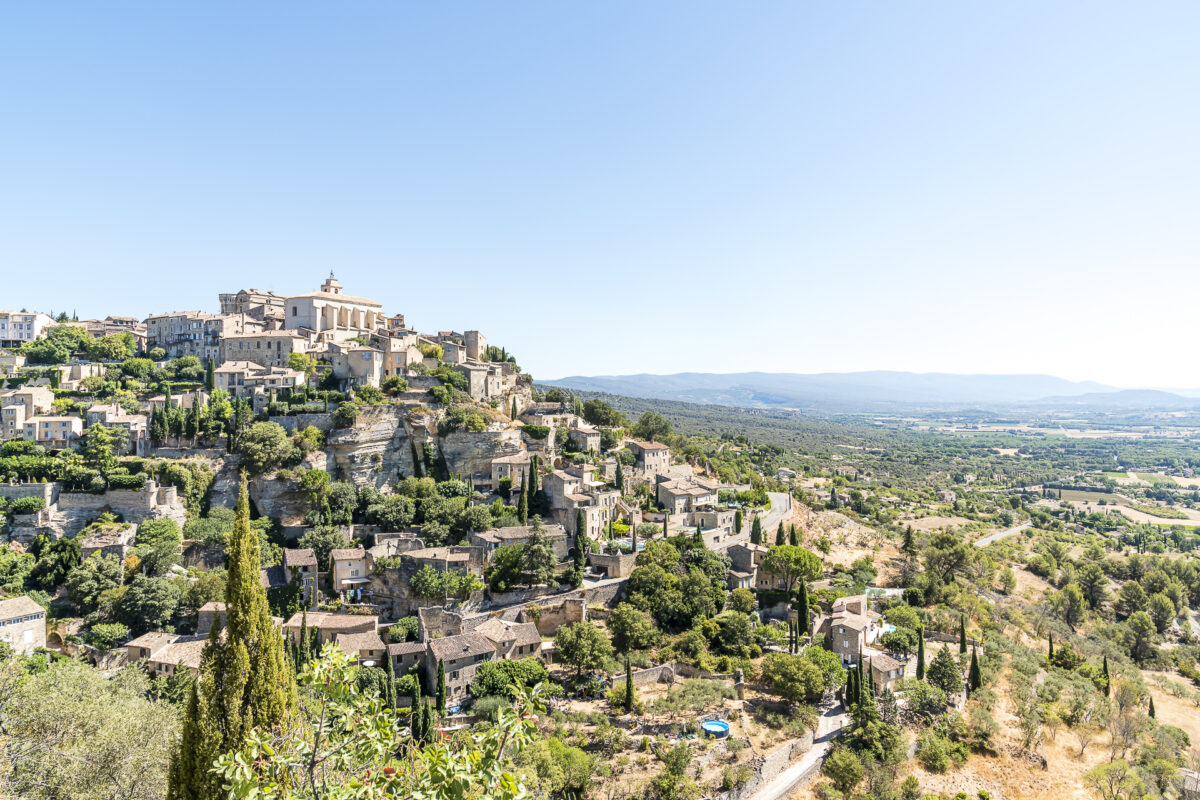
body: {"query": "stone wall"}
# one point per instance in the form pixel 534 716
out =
pixel 14 491
pixel 297 422
pixel 663 673
pixel 614 565
pixel 770 768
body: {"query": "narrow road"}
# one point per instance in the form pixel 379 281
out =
pixel 995 537
pixel 828 727
pixel 781 509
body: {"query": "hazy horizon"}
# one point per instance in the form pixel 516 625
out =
pixel 629 188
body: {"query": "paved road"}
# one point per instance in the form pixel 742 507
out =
pixel 781 509
pixel 828 727
pixel 995 537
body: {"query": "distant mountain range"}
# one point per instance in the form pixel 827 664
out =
pixel 874 390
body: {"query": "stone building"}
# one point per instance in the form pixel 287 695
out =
pixel 266 348
pixel 651 458
pixel 195 333
pixel 22 624
pixel 329 310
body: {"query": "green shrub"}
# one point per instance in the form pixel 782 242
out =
pixel 536 431
pixel 27 505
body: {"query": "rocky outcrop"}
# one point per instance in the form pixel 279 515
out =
pixel 279 498
pixel 378 450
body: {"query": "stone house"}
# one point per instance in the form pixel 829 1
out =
pixel 512 467
pixel 326 627
pixel 355 364
pixel 19 405
pixel 194 333
pixel 886 671
pixel 264 306
pixel 166 653
pixel 521 534
pixel 651 458
pixel 349 569
pixel 54 432
pixel 22 624
pixel 19 327
pixel 461 656
pixel 463 560
pixel 301 565
pixel 585 438
pixel 744 559
pixel 367 647
pixel 680 495
pixel 268 348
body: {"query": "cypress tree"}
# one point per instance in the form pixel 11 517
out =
pixel 1051 656
pixel 210 377
pixel 737 522
pixel 245 681
pixel 962 633
pixel 416 459
pixel 974 678
pixel 802 619
pixel 756 531
pixel 666 524
pixel 699 537
pixel 391 680
pixel 523 503
pixel 533 476
pixel 427 722
pixel 580 525
pixel 1151 709
pixel 793 536
pixel 920 654
pixel 780 534
pixel 1107 681
pixel 512 414
pixel 415 717
pixel 628 686
pixel 620 478
pixel 441 687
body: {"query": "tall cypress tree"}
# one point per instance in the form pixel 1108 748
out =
pixel 802 618
pixel 1107 680
pixel 245 681
pixel 1051 655
pixel 699 537
pixel 210 377
pixel 441 687
pixel 666 524
pixel 793 536
pixel 1150 711
pixel 756 531
pixel 533 476
pixel 415 717
pixel 920 654
pixel 523 503
pixel 512 414
pixel 974 678
pixel 620 478
pixel 391 680
pixel 780 535
pixel 737 522
pixel 962 633
pixel 580 525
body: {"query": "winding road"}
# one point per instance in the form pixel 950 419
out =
pixel 828 727
pixel 995 537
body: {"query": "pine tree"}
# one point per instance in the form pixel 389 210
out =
pixel 962 633
pixel 523 503
pixel 1107 680
pixel 1150 711
pixel 245 681
pixel 920 654
pixel 780 535
pixel 974 677
pixel 756 531
pixel 441 687
pixel 628 686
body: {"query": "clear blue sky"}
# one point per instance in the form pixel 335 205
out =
pixel 629 187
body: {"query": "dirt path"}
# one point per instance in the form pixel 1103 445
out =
pixel 995 537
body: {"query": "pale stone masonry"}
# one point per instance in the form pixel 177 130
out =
pixel 22 624
pixel 195 333
pixel 19 327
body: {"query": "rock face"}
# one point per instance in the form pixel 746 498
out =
pixel 378 450
pixel 72 512
pixel 279 498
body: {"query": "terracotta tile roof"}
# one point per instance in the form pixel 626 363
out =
pixel 885 663
pixel 648 445
pixel 356 643
pixel 299 557
pixel 464 645
pixel 347 554
pixel 19 607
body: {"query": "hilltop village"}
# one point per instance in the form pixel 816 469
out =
pixel 408 517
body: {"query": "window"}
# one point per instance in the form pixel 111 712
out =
pixel 294 311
